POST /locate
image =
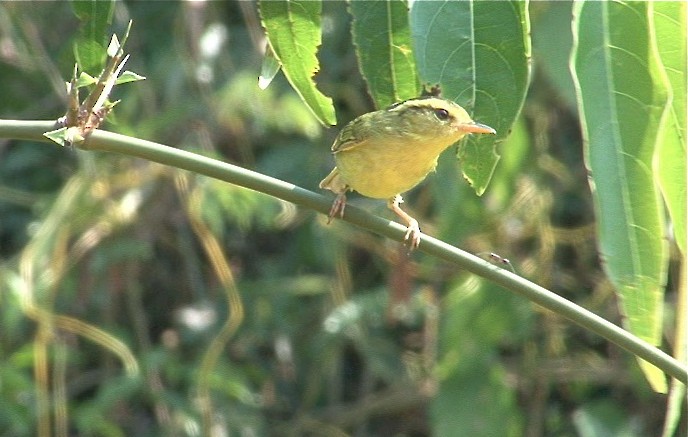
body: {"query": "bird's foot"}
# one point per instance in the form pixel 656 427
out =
pixel 337 207
pixel 412 235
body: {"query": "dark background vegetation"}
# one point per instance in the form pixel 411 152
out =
pixel 342 332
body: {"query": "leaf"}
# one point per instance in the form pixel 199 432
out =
pixel 85 79
pixel 89 55
pixel 95 17
pixel 65 136
pixel 382 38
pixel 129 76
pixel 114 46
pixel 479 53
pixel 269 69
pixel 669 19
pixel 621 99
pixel 670 29
pixel 293 31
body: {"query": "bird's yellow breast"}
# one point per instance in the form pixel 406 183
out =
pixel 384 167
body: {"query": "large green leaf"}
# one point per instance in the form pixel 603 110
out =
pixel 293 31
pixel 670 31
pixel 621 98
pixel 669 19
pixel 382 38
pixel 479 52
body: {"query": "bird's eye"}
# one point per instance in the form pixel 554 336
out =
pixel 441 114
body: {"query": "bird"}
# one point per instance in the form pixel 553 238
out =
pixel 384 153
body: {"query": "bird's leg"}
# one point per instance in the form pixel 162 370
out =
pixel 337 207
pixel 413 230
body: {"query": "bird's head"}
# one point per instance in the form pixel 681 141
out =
pixel 436 118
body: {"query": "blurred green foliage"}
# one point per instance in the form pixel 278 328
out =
pixel 341 332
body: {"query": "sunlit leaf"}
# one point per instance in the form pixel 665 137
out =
pixel 113 47
pixel 269 69
pixel 85 79
pixel 128 76
pixel 669 19
pixel 293 30
pixel 670 30
pixel 621 99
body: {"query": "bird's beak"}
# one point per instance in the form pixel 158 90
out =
pixel 477 128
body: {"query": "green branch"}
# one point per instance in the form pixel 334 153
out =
pixel 112 142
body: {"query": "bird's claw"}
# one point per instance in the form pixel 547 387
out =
pixel 412 235
pixel 337 207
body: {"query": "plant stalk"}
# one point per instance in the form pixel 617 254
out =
pixel 112 142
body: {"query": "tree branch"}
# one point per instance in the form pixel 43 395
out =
pixel 112 142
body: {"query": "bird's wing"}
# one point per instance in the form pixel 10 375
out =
pixel 334 182
pixel 347 137
pixel 345 140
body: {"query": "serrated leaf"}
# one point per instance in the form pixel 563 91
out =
pixel 670 31
pixel 382 38
pixel 479 53
pixel 128 76
pixel 293 31
pixel 621 99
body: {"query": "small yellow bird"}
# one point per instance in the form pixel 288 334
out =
pixel 385 153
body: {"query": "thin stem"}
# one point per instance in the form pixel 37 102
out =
pixel 112 142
